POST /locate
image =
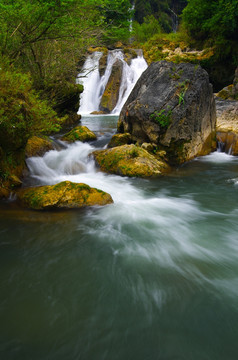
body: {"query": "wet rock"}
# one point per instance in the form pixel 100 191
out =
pixel 111 94
pixel 130 160
pixel 63 195
pixel 79 133
pixel 37 146
pixel 119 139
pixel 227 125
pixel 98 112
pixel 172 106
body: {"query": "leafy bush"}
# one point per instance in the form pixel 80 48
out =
pixel 147 29
pixel 22 113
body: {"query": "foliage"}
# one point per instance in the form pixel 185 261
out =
pixel 162 10
pixel 48 37
pixel 116 15
pixel 214 18
pixel 22 113
pixel 162 117
pixel 143 32
pixel 183 87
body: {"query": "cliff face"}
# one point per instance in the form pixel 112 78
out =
pixel 172 106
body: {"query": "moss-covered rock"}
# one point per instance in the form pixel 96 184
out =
pixel 79 133
pixel 37 146
pixel 63 195
pixel 119 140
pixel 130 160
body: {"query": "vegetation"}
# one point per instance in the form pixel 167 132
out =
pixel 163 117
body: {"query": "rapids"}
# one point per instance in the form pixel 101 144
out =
pixel 152 276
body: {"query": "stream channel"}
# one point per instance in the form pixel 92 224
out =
pixel 153 276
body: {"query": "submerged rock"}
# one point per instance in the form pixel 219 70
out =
pixel 130 160
pixel 79 133
pixel 227 125
pixel 63 195
pixel 37 146
pixel 172 106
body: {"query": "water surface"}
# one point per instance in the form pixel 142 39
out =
pixel 152 276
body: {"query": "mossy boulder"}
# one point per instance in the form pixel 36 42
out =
pixel 37 146
pixel 63 195
pixel 130 160
pixel 119 140
pixel 79 133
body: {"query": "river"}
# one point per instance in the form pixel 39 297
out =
pixel 153 276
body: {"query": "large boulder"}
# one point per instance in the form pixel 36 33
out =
pixel 172 106
pixel 63 195
pixel 130 160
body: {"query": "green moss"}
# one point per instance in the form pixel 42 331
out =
pixel 80 133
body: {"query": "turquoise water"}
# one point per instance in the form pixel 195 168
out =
pixel 153 276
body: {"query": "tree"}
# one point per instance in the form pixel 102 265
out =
pixel 216 19
pixel 47 37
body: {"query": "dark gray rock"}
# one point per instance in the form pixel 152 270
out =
pixel 172 106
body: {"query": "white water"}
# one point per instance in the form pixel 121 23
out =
pixel 153 216
pixel 94 85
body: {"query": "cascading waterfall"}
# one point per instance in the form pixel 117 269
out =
pixel 94 85
pixel 174 21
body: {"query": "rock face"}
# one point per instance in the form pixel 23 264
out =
pixel 111 93
pixel 63 195
pixel 227 125
pixel 79 133
pixel 172 106
pixel 130 160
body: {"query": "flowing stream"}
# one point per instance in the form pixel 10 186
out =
pixel 153 276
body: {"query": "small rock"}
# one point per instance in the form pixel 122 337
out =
pixel 79 133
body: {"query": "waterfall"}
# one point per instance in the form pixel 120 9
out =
pixel 174 21
pixel 130 75
pixel 89 78
pixel 94 85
